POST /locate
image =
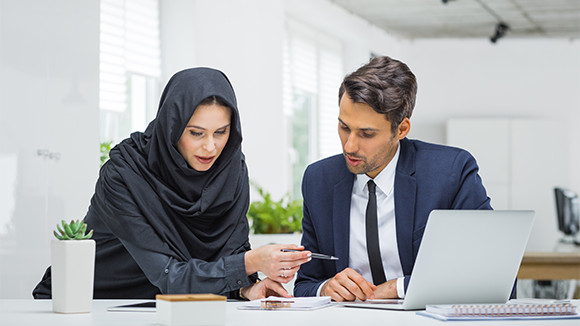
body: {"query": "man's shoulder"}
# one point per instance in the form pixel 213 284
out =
pixel 424 156
pixel 327 167
pixel 334 161
pixel 421 145
pixel 422 149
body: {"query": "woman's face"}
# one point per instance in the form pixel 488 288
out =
pixel 205 136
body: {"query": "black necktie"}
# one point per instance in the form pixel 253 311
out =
pixel 372 231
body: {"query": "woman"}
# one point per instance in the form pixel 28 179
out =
pixel 169 209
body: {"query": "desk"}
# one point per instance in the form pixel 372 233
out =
pixel 550 266
pixel 39 312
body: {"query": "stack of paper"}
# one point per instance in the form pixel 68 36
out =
pixel 301 303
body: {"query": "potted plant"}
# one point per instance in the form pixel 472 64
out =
pixel 274 221
pixel 73 268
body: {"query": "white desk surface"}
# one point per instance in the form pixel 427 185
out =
pixel 39 312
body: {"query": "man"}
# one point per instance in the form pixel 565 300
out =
pixel 409 179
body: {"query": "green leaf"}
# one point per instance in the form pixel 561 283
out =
pixel 269 216
pixel 57 235
pixel 68 231
pixel 89 235
pixel 59 229
pixel 74 227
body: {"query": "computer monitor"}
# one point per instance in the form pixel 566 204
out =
pixel 568 211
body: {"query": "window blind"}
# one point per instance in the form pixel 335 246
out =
pixel 313 64
pixel 129 44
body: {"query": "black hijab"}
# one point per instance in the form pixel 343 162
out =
pixel 175 209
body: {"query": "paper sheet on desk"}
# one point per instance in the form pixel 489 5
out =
pixel 279 303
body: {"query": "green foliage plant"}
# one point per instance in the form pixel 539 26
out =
pixel 267 216
pixel 105 149
pixel 75 230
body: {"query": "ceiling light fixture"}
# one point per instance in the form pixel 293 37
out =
pixel 500 30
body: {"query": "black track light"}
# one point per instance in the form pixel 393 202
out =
pixel 500 30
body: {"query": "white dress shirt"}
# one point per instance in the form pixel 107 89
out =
pixel 358 255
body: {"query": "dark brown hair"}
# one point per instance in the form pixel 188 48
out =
pixel 386 85
pixel 212 100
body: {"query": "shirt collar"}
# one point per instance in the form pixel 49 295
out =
pixel 385 180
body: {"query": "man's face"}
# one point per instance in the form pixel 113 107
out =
pixel 368 144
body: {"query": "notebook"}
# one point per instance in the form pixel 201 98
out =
pixel 509 311
pixel 466 256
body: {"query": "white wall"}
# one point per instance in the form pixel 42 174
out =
pixel 49 100
pixel 475 78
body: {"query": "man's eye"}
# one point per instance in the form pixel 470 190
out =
pixel 367 135
pixel 343 127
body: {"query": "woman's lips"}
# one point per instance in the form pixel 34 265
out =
pixel 353 161
pixel 205 160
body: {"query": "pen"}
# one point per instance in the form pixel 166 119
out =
pixel 314 255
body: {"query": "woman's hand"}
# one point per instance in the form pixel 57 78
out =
pixel 264 289
pixel 273 262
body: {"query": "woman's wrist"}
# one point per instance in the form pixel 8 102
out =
pixel 249 262
pixel 242 293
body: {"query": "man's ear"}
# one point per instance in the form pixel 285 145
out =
pixel 404 128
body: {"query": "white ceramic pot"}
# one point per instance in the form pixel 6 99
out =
pixel 73 272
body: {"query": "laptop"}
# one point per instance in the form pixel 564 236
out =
pixel 466 256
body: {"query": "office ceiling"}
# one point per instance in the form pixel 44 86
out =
pixel 415 19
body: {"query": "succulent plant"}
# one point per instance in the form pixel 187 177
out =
pixel 75 230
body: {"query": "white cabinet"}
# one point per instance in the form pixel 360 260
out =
pixel 49 88
pixel 521 161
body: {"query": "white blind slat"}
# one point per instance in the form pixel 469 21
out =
pixel 129 43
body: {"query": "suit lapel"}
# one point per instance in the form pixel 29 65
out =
pixel 341 218
pixel 405 192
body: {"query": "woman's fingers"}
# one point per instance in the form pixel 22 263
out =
pixel 281 266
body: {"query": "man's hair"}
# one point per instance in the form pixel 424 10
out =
pixel 386 85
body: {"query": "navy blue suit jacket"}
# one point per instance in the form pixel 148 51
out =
pixel 428 177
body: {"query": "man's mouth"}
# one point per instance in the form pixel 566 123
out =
pixel 352 160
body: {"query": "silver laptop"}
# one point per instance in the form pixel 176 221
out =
pixel 466 256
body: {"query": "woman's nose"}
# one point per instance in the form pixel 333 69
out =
pixel 209 144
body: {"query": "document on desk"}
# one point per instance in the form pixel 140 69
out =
pixel 280 303
pixel 506 311
pixel 147 306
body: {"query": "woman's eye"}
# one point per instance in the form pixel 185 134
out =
pixel 196 134
pixel 221 132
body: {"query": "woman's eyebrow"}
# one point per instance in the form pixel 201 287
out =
pixel 194 126
pixel 202 128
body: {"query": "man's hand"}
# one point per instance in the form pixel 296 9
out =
pixel 348 285
pixel 387 290
pixel 277 265
pixel 264 289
